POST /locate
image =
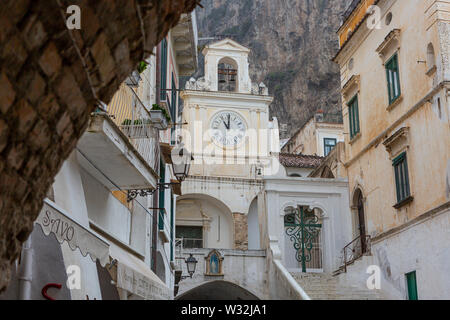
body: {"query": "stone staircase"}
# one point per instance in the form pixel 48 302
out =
pixel 321 286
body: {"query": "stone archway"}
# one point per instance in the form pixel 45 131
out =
pixel 213 216
pixel 218 290
pixel 51 79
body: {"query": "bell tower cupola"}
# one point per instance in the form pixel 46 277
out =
pixel 226 67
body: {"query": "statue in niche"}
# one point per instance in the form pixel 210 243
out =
pixel 214 263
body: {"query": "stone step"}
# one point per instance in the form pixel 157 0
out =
pixel 327 287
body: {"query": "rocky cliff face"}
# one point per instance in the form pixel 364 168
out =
pixel 292 42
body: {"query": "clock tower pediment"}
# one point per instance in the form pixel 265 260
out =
pixel 227 129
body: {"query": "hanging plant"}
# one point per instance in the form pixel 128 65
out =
pixel 142 66
pixel 164 111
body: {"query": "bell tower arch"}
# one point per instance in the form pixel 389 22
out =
pixel 227 60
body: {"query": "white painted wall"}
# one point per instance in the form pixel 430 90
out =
pixel 423 248
pixel 330 133
pixel 105 210
pixel 328 195
pixel 243 268
pixel 69 195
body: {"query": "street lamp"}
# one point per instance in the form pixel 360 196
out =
pixel 191 264
pixel 181 162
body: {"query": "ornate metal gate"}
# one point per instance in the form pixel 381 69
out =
pixel 303 229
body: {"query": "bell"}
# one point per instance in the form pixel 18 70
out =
pixel 221 78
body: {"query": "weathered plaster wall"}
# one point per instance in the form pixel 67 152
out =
pixel 422 248
pixel 246 269
pixel 51 79
pixel 369 164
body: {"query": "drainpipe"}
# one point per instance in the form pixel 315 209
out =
pixel 26 271
pixel 155 195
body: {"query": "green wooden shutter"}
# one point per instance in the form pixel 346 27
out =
pixel 353 112
pixel 393 78
pixel 163 69
pixel 401 177
pixel 411 282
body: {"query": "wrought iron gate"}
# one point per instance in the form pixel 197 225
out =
pixel 304 230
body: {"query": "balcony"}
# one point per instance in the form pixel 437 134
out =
pixel 120 147
pixel 133 118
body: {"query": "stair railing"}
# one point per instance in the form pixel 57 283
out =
pixel 356 249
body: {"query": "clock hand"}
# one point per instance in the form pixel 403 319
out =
pixel 228 121
pixel 226 126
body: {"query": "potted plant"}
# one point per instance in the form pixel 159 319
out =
pixel 137 128
pixel 159 117
pixel 142 66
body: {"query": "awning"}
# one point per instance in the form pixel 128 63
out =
pixel 53 220
pixel 134 276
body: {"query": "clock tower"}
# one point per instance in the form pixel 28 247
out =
pixel 227 128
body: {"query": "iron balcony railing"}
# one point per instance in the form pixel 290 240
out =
pixel 355 250
pixel 190 243
pixel 133 118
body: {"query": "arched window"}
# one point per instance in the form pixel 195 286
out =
pixel 227 75
pixel 431 58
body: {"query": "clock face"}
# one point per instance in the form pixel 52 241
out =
pixel 228 128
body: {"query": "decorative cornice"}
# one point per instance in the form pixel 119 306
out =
pixel 354 81
pixel 390 39
pixel 225 95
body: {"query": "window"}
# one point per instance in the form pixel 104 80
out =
pixel 393 78
pixel 328 145
pixel 411 283
pixel 401 177
pixel 192 236
pixel 353 113
pixel 163 69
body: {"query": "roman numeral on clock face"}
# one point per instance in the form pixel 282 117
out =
pixel 228 128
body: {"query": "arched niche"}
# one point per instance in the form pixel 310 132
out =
pixel 431 59
pixel 254 238
pixel 211 214
pixel 227 75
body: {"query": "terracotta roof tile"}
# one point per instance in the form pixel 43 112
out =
pixel 300 161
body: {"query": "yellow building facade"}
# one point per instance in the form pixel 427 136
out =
pixel 394 59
